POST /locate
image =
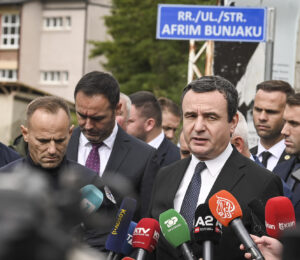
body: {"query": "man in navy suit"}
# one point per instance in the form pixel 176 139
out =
pixel 126 163
pixel 291 130
pixel 268 108
pixel 7 155
pixel 145 123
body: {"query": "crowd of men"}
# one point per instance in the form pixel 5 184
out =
pixel 125 146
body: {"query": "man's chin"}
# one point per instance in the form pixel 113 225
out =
pixel 50 165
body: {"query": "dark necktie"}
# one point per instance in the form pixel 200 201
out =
pixel 191 196
pixel 265 157
pixel 93 160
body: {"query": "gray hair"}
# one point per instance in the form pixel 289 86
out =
pixel 242 128
pixel 128 103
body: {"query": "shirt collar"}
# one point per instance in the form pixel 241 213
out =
pixel 156 142
pixel 215 165
pixel 109 141
pixel 276 150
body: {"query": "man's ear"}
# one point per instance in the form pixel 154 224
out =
pixel 149 124
pixel 71 129
pixel 234 123
pixel 118 109
pixel 238 142
pixel 24 131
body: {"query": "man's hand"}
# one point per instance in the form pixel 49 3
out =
pixel 270 247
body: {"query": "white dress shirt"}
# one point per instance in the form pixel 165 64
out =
pixel 276 151
pixel 156 142
pixel 104 151
pixel 208 177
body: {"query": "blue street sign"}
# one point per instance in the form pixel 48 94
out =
pixel 217 23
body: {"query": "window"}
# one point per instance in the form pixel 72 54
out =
pixel 54 77
pixel 10 31
pixel 57 23
pixel 8 75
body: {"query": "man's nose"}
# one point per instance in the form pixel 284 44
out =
pixel 52 147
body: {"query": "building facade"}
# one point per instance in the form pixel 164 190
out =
pixel 45 43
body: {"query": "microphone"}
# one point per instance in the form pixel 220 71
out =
pixel 176 231
pixel 127 258
pixel 207 230
pixel 226 209
pixel 279 215
pixel 92 199
pixel 118 234
pixel 145 237
pixel 127 245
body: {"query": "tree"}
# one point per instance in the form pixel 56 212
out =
pixel 136 58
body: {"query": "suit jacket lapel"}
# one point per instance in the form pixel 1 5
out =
pixel 162 151
pixel 118 153
pixel 229 175
pixel 72 150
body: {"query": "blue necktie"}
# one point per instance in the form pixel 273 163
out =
pixel 190 200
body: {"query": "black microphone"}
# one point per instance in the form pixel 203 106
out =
pixel 207 230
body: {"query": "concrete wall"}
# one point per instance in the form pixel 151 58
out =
pixel 96 30
pixel 63 51
pixel 31 18
pixel 6 114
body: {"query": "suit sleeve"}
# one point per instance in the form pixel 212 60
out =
pixel 147 182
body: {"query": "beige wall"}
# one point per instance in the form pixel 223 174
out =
pixel 31 18
pixel 6 114
pixel 63 51
pixel 96 30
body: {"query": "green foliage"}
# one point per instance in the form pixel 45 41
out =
pixel 136 58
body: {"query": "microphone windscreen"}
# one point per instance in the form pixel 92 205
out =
pixel 206 227
pixel 92 198
pixel 127 244
pixel 118 234
pixel 174 228
pixel 127 258
pixel 279 215
pixel 146 234
pixel 225 208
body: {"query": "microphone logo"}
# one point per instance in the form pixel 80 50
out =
pixel 140 231
pixel 171 222
pixel 129 239
pixel 283 226
pixel 87 206
pixel 156 235
pixel 225 207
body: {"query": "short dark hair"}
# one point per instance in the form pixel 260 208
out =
pixel 50 104
pixel 293 100
pixel 222 85
pixel 169 105
pixel 97 82
pixel 148 104
pixel 276 85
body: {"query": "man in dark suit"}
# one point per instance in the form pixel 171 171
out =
pixel 269 104
pixel 290 171
pixel 145 123
pixel 209 106
pixel 7 155
pixel 47 132
pixel 171 117
pixel 126 163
